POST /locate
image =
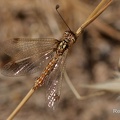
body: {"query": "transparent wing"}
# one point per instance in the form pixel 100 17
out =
pixel 28 55
pixel 54 83
pixel 21 48
pixel 26 66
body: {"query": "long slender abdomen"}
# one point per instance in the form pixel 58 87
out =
pixel 48 69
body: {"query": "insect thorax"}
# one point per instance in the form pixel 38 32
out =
pixel 66 41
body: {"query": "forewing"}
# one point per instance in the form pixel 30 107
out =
pixel 54 83
pixel 22 48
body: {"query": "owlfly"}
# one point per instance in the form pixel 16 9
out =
pixel 30 54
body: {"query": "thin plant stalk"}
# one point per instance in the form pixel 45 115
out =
pixel 26 98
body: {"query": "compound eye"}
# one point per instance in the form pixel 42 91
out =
pixel 66 33
pixel 73 39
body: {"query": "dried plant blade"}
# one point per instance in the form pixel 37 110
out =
pixel 91 19
pixel 97 9
pixel 111 86
pixel 17 109
pixel 73 89
pixel 75 92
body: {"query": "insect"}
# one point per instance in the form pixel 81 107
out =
pixel 30 54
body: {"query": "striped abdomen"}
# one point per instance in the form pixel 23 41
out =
pixel 48 69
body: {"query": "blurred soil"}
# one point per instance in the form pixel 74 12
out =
pixel 93 58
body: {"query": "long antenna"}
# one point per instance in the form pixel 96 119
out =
pixel 57 6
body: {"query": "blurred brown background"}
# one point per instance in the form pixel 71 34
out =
pixel 92 59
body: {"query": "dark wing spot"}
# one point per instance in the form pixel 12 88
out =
pixel 15 40
pixel 21 15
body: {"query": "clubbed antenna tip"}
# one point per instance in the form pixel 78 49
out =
pixel 57 6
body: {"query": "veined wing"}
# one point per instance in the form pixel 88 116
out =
pixel 53 82
pixel 27 66
pixel 22 48
pixel 29 55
